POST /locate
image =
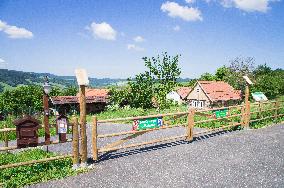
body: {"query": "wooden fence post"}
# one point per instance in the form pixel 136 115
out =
pixel 277 108
pixel 190 124
pixel 75 142
pixel 83 125
pixel 6 138
pixel 247 115
pixel 94 138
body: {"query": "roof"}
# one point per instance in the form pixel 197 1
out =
pixel 183 91
pixel 96 92
pixel 219 91
pixel 92 96
pixel 75 99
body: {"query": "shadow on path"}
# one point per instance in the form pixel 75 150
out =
pixel 115 154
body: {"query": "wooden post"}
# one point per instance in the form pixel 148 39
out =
pixel 75 142
pixel 190 124
pixel 94 138
pixel 45 119
pixel 247 108
pixel 83 124
pixel 6 138
pixel 243 117
pixel 277 108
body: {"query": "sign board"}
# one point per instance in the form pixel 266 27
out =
pixel 148 123
pixel 259 96
pixel 62 125
pixel 221 113
pixel 82 77
pixel 248 80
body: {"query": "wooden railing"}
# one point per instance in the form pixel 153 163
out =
pixel 240 115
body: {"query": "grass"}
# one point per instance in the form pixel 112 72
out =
pixel 27 175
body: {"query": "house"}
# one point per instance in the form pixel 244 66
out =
pixel 183 92
pixel 174 96
pixel 179 95
pixel 206 94
pixel 96 100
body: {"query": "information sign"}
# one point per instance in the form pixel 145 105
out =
pixel 148 123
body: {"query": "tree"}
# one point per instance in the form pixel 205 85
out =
pixel 207 77
pixel 158 80
pixel 238 68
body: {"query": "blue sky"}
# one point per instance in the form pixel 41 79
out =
pixel 109 38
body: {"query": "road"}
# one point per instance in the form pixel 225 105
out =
pixel 246 158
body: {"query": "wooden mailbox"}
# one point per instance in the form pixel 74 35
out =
pixel 27 131
pixel 62 127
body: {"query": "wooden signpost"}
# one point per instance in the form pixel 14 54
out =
pixel 83 81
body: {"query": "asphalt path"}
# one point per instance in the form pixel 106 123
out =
pixel 246 158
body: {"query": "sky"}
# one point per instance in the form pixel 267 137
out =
pixel 109 38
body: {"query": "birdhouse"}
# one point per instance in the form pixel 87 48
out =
pixel 62 127
pixel 27 131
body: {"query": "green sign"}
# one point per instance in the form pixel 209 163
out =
pixel 259 96
pixel 148 123
pixel 221 113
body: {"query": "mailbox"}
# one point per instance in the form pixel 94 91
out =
pixel 62 127
pixel 27 131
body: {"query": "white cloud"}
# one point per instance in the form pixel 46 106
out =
pixel 14 31
pixel 186 13
pixel 176 28
pixel 189 1
pixel 134 47
pixel 2 60
pixel 138 39
pixel 248 5
pixel 103 31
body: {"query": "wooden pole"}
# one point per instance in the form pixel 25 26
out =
pixel 75 142
pixel 45 119
pixel 190 124
pixel 277 108
pixel 6 137
pixel 83 124
pixel 94 138
pixel 247 106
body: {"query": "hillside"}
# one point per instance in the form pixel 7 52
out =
pixel 13 78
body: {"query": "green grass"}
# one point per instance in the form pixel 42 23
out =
pixel 41 172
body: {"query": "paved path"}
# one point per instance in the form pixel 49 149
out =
pixel 251 158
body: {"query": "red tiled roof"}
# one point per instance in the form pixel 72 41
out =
pixel 183 92
pixel 92 96
pixel 219 91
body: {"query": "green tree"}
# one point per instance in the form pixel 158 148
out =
pixel 207 77
pixel 159 79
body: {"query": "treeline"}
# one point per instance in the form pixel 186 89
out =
pixel 265 79
pixel 28 99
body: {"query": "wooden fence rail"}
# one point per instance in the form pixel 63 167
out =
pixel 239 115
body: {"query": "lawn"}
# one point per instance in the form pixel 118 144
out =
pixel 41 172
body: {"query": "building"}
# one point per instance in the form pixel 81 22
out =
pixel 179 95
pixel 206 94
pixel 96 101
pixel 174 96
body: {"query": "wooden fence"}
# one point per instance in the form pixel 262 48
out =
pixel 241 115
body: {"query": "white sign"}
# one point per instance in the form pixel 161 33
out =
pixel 82 77
pixel 62 125
pixel 248 80
pixel 259 96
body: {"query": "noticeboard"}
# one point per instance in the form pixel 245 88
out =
pixel 259 96
pixel 148 123
pixel 62 125
pixel 221 113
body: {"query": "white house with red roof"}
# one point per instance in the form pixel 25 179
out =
pixel 206 94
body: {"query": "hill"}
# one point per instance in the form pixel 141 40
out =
pixel 13 78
